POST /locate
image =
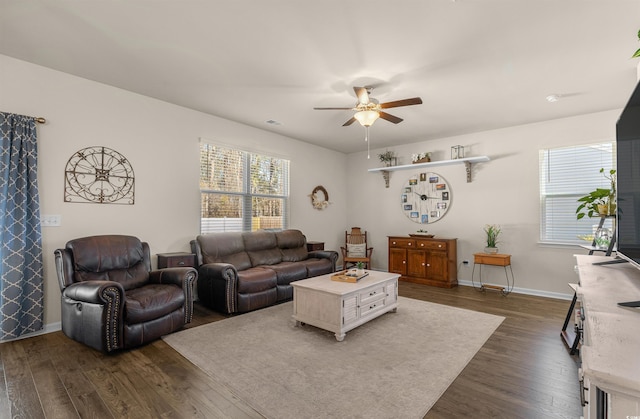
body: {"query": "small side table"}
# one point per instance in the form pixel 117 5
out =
pixel 311 246
pixel 493 259
pixel 176 260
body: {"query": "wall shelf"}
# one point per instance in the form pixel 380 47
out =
pixel 467 161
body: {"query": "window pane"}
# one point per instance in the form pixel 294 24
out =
pixel 267 175
pixel 567 174
pixel 220 212
pixel 221 169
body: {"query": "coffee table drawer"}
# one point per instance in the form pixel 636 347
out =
pixel 372 294
pixel 372 307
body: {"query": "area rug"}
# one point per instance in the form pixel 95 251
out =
pixel 395 366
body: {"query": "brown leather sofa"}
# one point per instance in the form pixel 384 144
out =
pixel 111 299
pixel 240 272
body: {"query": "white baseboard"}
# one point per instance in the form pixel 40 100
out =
pixel 528 291
pixel 518 290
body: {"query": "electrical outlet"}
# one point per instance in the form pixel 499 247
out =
pixel 50 220
pixel 465 262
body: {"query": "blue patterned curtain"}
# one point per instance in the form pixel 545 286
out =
pixel 21 280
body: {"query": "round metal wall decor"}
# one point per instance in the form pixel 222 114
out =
pixel 99 175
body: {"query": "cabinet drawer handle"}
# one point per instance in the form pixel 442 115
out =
pixel 394 242
pixel 372 293
pixel 423 263
pixel 428 264
pixel 439 245
pixel 409 244
pixel 404 262
pixel 372 307
pixel 422 244
pixel 181 263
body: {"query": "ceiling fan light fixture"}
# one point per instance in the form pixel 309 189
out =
pixel 367 118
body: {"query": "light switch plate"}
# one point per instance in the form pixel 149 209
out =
pixel 50 220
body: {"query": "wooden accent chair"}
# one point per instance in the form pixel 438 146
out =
pixel 356 248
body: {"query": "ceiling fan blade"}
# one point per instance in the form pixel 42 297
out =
pixel 363 96
pixel 349 122
pixel 333 109
pixel 404 102
pixel 390 118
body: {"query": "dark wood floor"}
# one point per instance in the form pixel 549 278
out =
pixel 523 371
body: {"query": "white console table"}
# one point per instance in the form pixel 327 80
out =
pixel 610 343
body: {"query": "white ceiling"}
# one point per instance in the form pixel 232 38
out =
pixel 476 64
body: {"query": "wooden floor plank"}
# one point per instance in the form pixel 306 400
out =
pixel 21 388
pixel 523 371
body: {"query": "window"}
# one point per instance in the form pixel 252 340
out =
pixel 241 191
pixel 567 174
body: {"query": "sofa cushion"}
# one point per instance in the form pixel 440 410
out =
pixel 257 300
pixel 287 272
pixel 152 302
pixel 262 248
pixel 293 245
pixel 256 280
pixel 225 247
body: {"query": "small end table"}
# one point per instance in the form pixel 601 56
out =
pixel 493 259
pixel 176 259
pixel 313 245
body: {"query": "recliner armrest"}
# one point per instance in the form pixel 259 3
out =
pixel 175 276
pixel 94 291
pixel 92 312
pixel 218 286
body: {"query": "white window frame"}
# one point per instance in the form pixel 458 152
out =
pixel 246 196
pixel 566 174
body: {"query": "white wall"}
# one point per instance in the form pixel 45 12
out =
pixel 160 140
pixel 504 191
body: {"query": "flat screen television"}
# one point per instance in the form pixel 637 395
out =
pixel 628 183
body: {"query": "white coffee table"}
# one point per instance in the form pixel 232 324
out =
pixel 342 306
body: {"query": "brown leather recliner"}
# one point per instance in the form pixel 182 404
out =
pixel 111 299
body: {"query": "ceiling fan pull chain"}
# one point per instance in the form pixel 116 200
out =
pixel 366 138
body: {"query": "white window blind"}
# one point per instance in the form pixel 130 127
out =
pixel 567 174
pixel 242 191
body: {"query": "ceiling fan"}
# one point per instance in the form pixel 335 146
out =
pixel 368 109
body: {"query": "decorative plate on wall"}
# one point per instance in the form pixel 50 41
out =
pixel 99 175
pixel 425 198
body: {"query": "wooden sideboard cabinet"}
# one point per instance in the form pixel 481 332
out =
pixel 424 261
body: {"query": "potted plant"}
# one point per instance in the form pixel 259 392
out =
pixel 637 53
pixel 360 268
pixel 600 202
pixel 492 231
pixel 388 158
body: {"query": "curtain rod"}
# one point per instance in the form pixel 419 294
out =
pixel 40 120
